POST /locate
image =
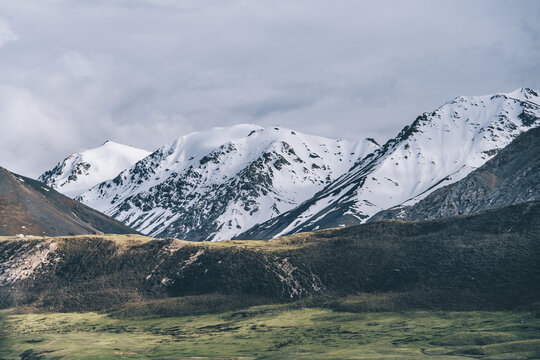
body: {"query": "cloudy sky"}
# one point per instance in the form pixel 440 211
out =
pixel 143 72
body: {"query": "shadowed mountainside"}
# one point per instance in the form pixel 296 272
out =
pixel 489 260
pixel 30 208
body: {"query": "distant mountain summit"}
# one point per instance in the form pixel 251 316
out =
pixel 437 149
pixel 28 207
pixel 80 171
pixel 215 184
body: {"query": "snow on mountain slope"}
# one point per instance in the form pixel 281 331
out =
pixel 510 177
pixel 437 149
pixel 212 185
pixel 81 171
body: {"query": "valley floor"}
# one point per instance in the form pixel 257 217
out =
pixel 274 332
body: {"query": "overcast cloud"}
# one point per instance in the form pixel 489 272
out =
pixel 76 73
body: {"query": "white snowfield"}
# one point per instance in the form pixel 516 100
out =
pixel 227 179
pixel 81 171
pixel 220 183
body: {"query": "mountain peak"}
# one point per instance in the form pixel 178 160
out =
pixel 216 184
pixel 80 171
pixel 110 144
pixel 525 93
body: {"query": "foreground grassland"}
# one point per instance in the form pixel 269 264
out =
pixel 275 332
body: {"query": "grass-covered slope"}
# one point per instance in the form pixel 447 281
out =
pixel 29 207
pixel 489 260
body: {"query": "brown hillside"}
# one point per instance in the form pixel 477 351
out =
pixel 30 208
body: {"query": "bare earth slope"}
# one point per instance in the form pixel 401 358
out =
pixel 30 208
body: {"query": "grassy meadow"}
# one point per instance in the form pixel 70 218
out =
pixel 331 329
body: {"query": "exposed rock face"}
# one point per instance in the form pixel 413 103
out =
pixel 513 176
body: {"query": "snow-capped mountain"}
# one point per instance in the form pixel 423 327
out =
pixel 437 149
pixel 215 184
pixel 80 171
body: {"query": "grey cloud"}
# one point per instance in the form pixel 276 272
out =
pixel 274 105
pixel 144 72
pixel 6 33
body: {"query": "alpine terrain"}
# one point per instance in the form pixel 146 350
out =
pixel 80 171
pixel 215 184
pixel 437 149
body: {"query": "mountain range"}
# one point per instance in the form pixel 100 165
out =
pixel 437 149
pixel 249 182
pixel 215 184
